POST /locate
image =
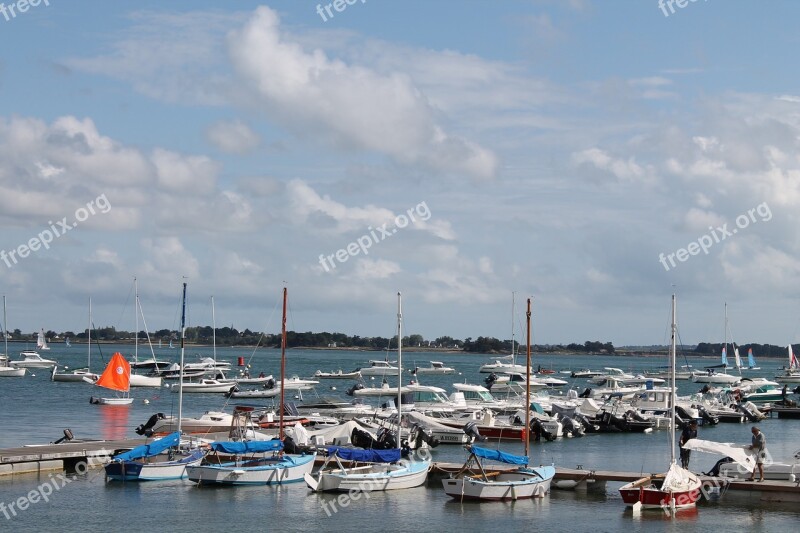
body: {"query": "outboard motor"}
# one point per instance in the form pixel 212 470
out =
pixel 751 416
pixel 362 439
pixel 269 384
pixel 471 429
pixel 386 440
pixel 714 472
pixel 68 436
pixel 230 392
pixel 490 379
pixel 571 426
pixel 586 422
pixel 708 418
pixel 586 394
pixel 635 415
pixel 538 431
pixel 146 429
pixel 351 391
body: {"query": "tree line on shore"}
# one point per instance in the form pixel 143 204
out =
pixel 228 336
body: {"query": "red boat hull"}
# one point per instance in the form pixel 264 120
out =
pixel 656 499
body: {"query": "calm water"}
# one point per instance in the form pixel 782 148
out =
pixel 35 410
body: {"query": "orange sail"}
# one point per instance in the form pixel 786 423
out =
pixel 117 375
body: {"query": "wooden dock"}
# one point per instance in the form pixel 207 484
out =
pixel 592 480
pixel 64 456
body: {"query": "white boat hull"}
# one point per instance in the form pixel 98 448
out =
pixel 270 474
pixel 200 388
pixel 75 377
pixel 145 381
pixel 377 477
pixel 9 372
pixel 33 364
pixel 111 401
pixel 725 379
pixel 513 485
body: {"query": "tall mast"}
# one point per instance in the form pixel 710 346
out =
pixel 5 329
pixel 399 366
pixel 726 337
pixel 183 347
pixel 528 382
pixel 89 355
pixel 214 333
pixel 283 363
pixel 136 314
pixel 513 359
pixel 672 353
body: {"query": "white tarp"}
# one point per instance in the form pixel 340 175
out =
pixel 738 452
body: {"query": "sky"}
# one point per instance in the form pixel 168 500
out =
pixel 595 156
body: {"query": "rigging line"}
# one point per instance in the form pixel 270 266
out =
pixel 125 305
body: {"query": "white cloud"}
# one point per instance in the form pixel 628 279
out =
pixel 233 137
pixel 351 106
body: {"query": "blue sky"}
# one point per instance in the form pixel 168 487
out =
pixel 559 147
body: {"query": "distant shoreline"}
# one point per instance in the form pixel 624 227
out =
pixel 538 354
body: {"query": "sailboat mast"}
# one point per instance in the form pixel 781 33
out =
pixel 136 314
pixel 673 392
pixel 528 382
pixel 89 354
pixel 5 328
pixel 399 367
pixel 283 363
pixel 183 347
pixel 513 302
pixel 214 330
pixel 726 337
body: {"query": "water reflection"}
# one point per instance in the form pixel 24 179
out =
pixel 114 421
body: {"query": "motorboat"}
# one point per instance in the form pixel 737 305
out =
pixel 203 386
pixel 378 368
pixel 32 359
pixel 437 367
pixel 610 372
pixel 319 374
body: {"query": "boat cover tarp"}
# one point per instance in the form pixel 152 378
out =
pixel 497 455
pixel 247 446
pixel 154 448
pixel 739 453
pixel 365 456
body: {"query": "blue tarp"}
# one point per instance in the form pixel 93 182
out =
pixel 366 456
pixel 254 446
pixel 497 455
pixel 154 448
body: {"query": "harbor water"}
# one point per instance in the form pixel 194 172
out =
pixel 36 410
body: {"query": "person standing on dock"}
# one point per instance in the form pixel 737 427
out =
pixel 689 432
pixel 759 444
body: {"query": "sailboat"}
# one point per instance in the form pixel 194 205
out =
pixel 7 371
pixel 520 483
pixel 714 377
pixel 254 462
pixel 751 361
pixel 79 374
pixel 792 374
pixel 145 463
pixel 678 488
pixel 116 377
pixel 381 469
pixel 41 341
pixel 66 343
pixel 138 380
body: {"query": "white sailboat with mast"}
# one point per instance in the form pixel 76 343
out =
pixel 677 488
pixel 520 483
pixel 711 376
pixel 79 375
pixel 138 380
pixel 374 470
pixel 7 371
pixel 254 462
pixel 142 463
